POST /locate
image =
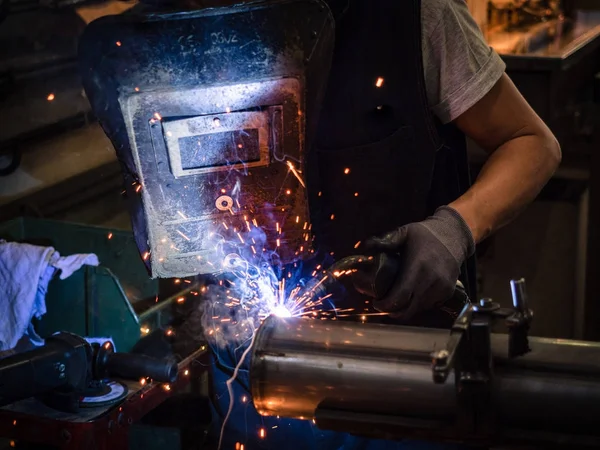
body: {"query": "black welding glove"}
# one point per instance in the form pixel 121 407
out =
pixel 429 256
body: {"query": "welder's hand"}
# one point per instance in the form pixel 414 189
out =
pixel 430 254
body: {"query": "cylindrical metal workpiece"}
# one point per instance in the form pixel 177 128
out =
pixel 300 366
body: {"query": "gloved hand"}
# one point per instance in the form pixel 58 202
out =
pixel 429 254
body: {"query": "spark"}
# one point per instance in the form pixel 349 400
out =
pixel 346 171
pixel 157 116
pixel 262 433
pixel 137 89
pixel 183 235
pixel 145 330
pixel 332 216
pixel 118 43
pixel 356 194
pixel 182 215
pixel 110 236
pixel 181 300
pixel 379 82
pixel 186 372
pixel 296 174
pixel 167 387
pixel 50 97
pixel 146 256
pixel 357 244
pixel 138 188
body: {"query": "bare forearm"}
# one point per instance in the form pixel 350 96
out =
pixel 510 179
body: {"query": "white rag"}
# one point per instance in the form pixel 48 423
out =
pixel 25 272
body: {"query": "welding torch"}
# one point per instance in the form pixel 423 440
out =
pixel 371 275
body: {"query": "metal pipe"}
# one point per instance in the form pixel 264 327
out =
pixel 300 366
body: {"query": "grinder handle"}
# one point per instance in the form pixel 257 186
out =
pixel 133 366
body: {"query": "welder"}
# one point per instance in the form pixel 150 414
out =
pixel 387 174
pixel 409 82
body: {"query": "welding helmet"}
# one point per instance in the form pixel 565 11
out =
pixel 210 112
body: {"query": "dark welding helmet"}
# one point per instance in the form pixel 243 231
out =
pixel 210 112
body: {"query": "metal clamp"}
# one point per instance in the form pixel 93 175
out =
pixel 469 351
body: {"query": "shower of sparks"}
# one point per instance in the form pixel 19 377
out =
pixel 253 282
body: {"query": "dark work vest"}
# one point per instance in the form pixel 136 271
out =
pixel 380 159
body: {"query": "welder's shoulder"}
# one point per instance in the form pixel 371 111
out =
pixel 460 67
pixel 434 13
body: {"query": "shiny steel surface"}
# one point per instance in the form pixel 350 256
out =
pixel 301 364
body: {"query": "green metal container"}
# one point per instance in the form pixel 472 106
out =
pixel 94 301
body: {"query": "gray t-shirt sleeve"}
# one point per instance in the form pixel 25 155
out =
pixel 460 67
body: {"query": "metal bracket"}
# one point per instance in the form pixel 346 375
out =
pixel 465 347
